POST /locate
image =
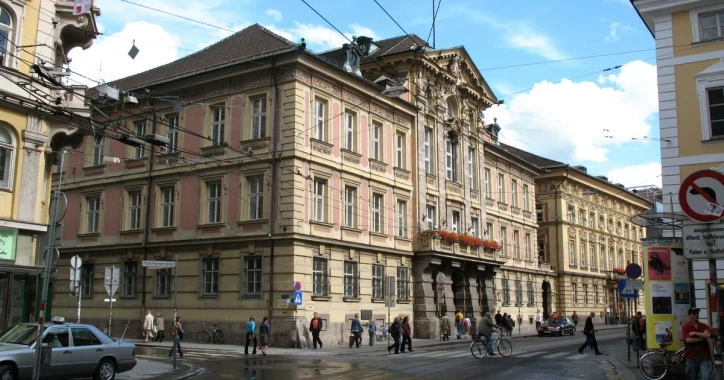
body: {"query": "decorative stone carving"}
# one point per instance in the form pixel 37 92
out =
pixel 454 67
pixel 349 156
pixel 489 202
pixel 431 180
pixel 256 144
pixel 474 194
pixel 402 174
pixel 502 206
pixel 378 166
pixel 321 146
pixel 404 121
pixel 213 151
pixel 354 99
pixel 381 111
pixel 454 187
pixel 326 86
pixel 295 74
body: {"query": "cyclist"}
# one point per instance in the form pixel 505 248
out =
pixel 486 328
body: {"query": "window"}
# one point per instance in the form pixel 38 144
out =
pixel 349 132
pixel 528 248
pixel 378 281
pixel 620 258
pixel 518 292
pixel 618 228
pixel 597 297
pixel 252 276
pixel 84 337
pixel 571 214
pixel 486 179
pixel 351 279
pixel 86 280
pixel 168 201
pixel 376 142
pixel 514 193
pixel 256 197
pixel 506 292
pixel 319 116
pixel 213 202
pixel 449 109
pixel 130 273
pixel 258 118
pixel 593 256
pixel 582 217
pixel 715 98
pixel 475 226
pixel 58 336
pixel 712 25
pixel 611 258
pixel 430 216
pixel 6 30
pixel 472 171
pixel 172 133
pixel 217 125
pixel 501 188
pixel 602 257
pixel 7 151
pixel 600 222
pixel 451 159
pixel 93 212
pixel 516 244
pixel 585 293
pixel 610 225
pixel 97 150
pixel 504 241
pixel 572 252
pixel 320 276
pixel 210 277
pixel 401 219
pixel 403 283
pixel 134 210
pixel 399 150
pixel 526 198
pixel 455 221
pixel 320 207
pixel 377 213
pixel 163 282
pixel 574 292
pixel 140 131
pixel 488 230
pixel 531 294
pixel 591 218
pixel 539 213
pixel 350 207
pixel 635 233
pixel 584 254
pixel 427 143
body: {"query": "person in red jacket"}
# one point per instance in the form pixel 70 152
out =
pixel 406 335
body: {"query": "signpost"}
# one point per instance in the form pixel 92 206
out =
pixel 111 281
pixel 298 298
pixel 389 301
pixel 75 277
pixel 150 264
pixel 440 280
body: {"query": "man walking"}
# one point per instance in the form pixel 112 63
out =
pixel 160 328
pixel 406 335
pixel 696 349
pixel 178 335
pixel 590 334
pixel 485 329
pixel 356 329
pixel 574 318
pixel 446 327
pixel 148 326
pixel 315 326
pixel 498 318
pixel 394 332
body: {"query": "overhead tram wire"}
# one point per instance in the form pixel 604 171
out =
pixel 432 27
pixel 179 16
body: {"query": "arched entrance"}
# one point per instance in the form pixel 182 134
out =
pixel 546 299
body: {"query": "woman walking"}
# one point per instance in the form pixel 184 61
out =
pixel 395 334
pixel 406 335
pixel 250 335
pixel 178 335
pixel 372 329
pixel 265 332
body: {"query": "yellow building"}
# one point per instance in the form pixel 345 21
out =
pixel 34 40
pixel 689 38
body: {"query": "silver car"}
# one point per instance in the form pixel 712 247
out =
pixel 76 350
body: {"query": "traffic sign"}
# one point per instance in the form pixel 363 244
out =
pixel 633 271
pixel 76 262
pixel 151 264
pixel 54 257
pixel 701 196
pixel 626 291
pixel 298 286
pixel 111 280
pixel 298 298
pixel 74 275
pixel 703 241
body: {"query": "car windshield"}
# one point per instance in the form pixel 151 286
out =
pixel 20 334
pixel 559 321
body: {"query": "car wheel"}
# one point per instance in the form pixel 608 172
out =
pixel 540 334
pixel 106 370
pixel 7 373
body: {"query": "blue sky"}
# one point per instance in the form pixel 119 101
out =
pixel 562 110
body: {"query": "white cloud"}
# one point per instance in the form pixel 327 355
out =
pixel 637 175
pixel 569 121
pixel 614 29
pixel 108 58
pixel 275 14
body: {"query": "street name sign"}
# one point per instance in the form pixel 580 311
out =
pixel 703 241
pixel 151 264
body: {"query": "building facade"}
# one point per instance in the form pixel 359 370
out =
pixel 689 39
pixel 34 41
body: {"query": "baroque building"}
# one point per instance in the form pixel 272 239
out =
pixel 38 110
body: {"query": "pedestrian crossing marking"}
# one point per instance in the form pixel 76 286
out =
pixel 576 357
pixel 555 355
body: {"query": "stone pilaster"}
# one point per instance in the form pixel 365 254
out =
pixel 426 322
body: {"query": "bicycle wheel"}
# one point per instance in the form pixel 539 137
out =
pixel 219 337
pixel 505 348
pixel 203 337
pixel 479 349
pixel 653 365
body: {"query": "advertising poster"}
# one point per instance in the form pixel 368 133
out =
pixel 679 265
pixel 682 298
pixel 664 332
pixel 661 298
pixel 659 264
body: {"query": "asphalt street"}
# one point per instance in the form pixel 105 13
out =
pixel 532 358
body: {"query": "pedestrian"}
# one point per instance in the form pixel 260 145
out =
pixel 485 330
pixel 498 319
pixel 509 325
pixel 395 334
pixel 265 335
pixel 696 349
pixel 538 319
pixel 590 333
pixel 372 329
pixel 406 334
pixel 315 326
pixel 459 323
pixel 574 318
pixel 466 327
pixel 160 328
pixel 356 328
pixel 250 335
pixel 446 327
pixel 178 335
pixel 148 326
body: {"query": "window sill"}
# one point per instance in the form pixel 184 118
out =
pixel 322 298
pixel 161 297
pixel 530 305
pixel 351 299
pixel 87 297
pixel 251 296
pixel 164 229
pixel 378 300
pixel 168 155
pixel 210 225
pixel 130 232
pixel 378 234
pixel 208 296
pixel 324 224
pixel 213 150
pixel 256 143
pixel 89 234
pixel 506 304
pixel 713 140
pixel 94 167
pixel 709 41
pixel 404 301
pixel 252 221
pixel 351 229
pixel 128 297
pixel 406 239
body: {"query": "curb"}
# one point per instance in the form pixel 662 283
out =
pixel 622 369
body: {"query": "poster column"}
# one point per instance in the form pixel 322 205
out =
pixel 667 291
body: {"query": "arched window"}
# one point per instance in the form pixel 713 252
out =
pixel 450 105
pixel 6 31
pixel 7 157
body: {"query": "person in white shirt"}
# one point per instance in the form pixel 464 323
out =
pixel 538 319
pixel 148 326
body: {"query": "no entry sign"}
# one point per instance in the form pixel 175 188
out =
pixel 701 196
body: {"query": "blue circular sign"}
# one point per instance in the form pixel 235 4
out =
pixel 633 271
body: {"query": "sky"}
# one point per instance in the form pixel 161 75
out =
pixel 578 77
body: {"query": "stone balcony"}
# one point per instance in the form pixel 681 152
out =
pixel 428 241
pixel 74 30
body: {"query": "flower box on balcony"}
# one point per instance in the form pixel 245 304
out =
pixel 619 270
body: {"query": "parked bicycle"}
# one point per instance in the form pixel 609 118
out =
pixel 655 363
pixel 210 335
pixel 479 347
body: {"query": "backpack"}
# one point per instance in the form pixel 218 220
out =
pixel 635 326
pixel 466 322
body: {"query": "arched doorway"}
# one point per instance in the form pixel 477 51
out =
pixel 546 299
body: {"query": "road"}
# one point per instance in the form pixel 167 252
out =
pixel 533 358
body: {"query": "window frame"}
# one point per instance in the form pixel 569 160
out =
pixel 376 135
pixel 377 211
pixel 319 200
pixel 130 279
pixel 217 126
pixel 95 211
pixel 214 202
pixel 403 283
pixel 572 258
pixel 574 292
pixel 526 197
pixel 472 168
pixel 210 276
pixel 427 142
pixel 513 192
pixel 134 209
pixel 697 27
pixel 172 129
pixel 516 244
pixel 253 276
pixel 6 60
pixel 86 280
pixel 258 117
pixel 255 197
pixel 350 206
pixel 584 254
pixel 350 279
pixel 7 160
pixel 378 281
pixel 167 213
pixel 401 218
pixel 475 226
pixel 528 248
pixel 531 293
pixel 488 187
pixel 350 131
pixel 98 150
pixel 518 292
pixel 319 130
pixel 501 188
pixel 320 276
pixel 139 129
pixel 506 291
pixel 163 281
pixel 503 240
pixel 400 150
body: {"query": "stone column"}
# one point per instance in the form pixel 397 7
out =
pixel 488 294
pixel 426 323
pixel 473 309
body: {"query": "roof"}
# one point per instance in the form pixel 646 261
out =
pixel 504 151
pixel 251 42
pixel 397 45
pixel 540 162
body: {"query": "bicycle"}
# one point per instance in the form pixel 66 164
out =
pixel 655 363
pixel 207 335
pixel 479 347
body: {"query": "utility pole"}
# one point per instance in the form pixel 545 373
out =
pixel 46 271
